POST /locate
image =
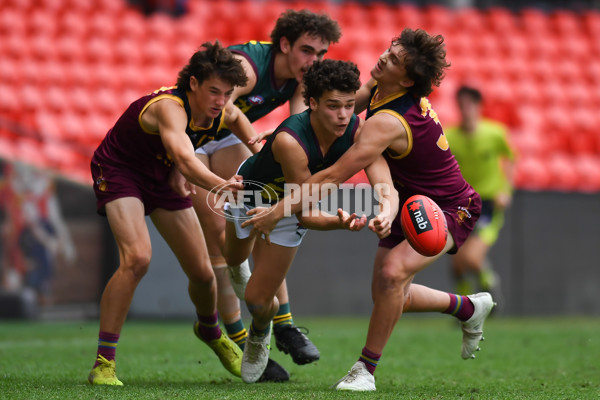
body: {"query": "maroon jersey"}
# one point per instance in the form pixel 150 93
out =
pixel 427 166
pixel 132 161
pixel 132 146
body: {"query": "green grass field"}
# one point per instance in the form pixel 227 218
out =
pixel 533 358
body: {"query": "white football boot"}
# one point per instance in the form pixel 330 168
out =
pixel 256 356
pixel 358 379
pixel 473 327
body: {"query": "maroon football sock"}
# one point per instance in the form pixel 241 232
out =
pixel 107 346
pixel 460 306
pixel 208 327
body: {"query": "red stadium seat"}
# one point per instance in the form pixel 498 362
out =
pixel 112 8
pixel 501 21
pixel 50 7
pixel 516 47
pixel 99 49
pixel 131 26
pixel 42 48
pixel 128 51
pixel 588 168
pixel 56 99
pixel 438 19
pixel 191 33
pixel 160 26
pixel 82 8
pixel 70 48
pixel 407 16
pixel 48 124
pixel 131 77
pixel 60 156
pixel 16 47
pixel 591 23
pixel 563 174
pixel 535 21
pixel 470 20
pixel 568 71
pixel 7 148
pixel 73 25
pixel 29 150
pixel 40 23
pixel 565 23
pixel 73 127
pixel 13 22
pixel 102 25
pixel 10 102
pixel 531 174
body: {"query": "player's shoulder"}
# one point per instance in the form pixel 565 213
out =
pixel 387 122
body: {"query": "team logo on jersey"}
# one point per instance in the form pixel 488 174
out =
pixel 255 100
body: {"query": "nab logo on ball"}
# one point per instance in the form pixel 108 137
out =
pixel 419 217
pixel 424 225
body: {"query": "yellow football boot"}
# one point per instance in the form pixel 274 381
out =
pixel 228 352
pixel 105 373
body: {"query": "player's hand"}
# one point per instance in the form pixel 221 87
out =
pixel 381 225
pixel 351 222
pixel 233 184
pixel 263 221
pixel 260 137
pixel 181 185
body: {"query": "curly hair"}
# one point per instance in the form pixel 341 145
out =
pixel 326 75
pixel 292 24
pixel 213 59
pixel 424 59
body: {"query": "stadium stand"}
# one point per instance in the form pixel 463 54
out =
pixel 68 69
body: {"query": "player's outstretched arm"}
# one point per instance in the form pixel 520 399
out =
pixel 241 127
pixel 172 122
pixel 387 196
pixel 376 135
pixel 322 221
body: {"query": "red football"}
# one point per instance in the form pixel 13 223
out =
pixel 424 225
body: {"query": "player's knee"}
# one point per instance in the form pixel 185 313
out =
pixel 204 276
pixel 258 305
pixel 393 276
pixel 137 265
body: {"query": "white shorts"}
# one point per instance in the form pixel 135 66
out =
pixel 211 147
pixel 287 233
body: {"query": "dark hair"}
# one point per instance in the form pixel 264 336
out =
pixel 329 74
pixel 212 60
pixel 470 92
pixel 292 24
pixel 424 59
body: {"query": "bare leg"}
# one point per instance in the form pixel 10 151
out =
pixel 271 264
pixel 393 273
pixel 127 222
pixel 182 232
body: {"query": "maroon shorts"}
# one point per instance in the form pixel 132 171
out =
pixel 461 216
pixel 114 182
